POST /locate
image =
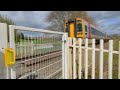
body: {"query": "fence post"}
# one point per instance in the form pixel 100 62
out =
pixel 110 59
pixel 80 58
pixel 86 58
pixel 101 60
pixel 65 48
pixel 74 59
pixel 4 72
pixel 93 59
pixel 119 63
pixel 12 45
pixel 70 58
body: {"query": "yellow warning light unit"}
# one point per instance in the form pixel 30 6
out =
pixel 9 57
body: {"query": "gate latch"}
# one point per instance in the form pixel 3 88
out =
pixel 9 57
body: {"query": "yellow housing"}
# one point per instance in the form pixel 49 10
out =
pixel 71 25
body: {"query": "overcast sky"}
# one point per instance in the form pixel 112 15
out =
pixel 108 21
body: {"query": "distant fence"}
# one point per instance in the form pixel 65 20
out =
pixel 102 66
pixel 35 49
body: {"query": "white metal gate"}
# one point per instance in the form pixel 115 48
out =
pixel 45 54
pixel 93 62
pixel 40 54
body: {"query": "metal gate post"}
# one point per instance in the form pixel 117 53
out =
pixel 12 45
pixel 65 53
pixel 3 44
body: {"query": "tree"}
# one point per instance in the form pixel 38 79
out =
pixel 8 21
pixel 57 18
pixel 84 15
pixel 5 19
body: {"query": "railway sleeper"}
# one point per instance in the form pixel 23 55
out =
pixel 41 59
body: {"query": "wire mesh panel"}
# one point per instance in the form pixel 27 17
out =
pixel 38 53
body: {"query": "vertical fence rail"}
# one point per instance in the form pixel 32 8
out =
pixel 80 58
pixel 12 45
pixel 101 60
pixel 65 56
pixel 119 63
pixel 110 59
pixel 86 58
pixel 70 59
pixel 74 58
pixel 93 59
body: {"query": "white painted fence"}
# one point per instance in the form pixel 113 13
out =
pixel 73 62
pixel 46 60
pixel 77 66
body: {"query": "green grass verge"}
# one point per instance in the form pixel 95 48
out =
pixel 39 41
pixel 115 59
pixel 115 62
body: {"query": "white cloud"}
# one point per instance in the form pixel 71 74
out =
pixel 28 18
pixel 37 19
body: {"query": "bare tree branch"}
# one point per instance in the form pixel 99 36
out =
pixel 58 18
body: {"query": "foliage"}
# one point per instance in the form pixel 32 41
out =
pixel 5 19
pixel 57 18
pixel 8 21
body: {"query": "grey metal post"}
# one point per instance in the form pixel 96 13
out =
pixel 3 45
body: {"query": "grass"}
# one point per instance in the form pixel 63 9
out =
pixel 55 42
pixel 37 50
pixel 116 45
pixel 115 58
pixel 115 62
pixel 39 41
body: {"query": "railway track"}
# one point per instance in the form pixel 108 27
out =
pixel 43 55
pixel 42 63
